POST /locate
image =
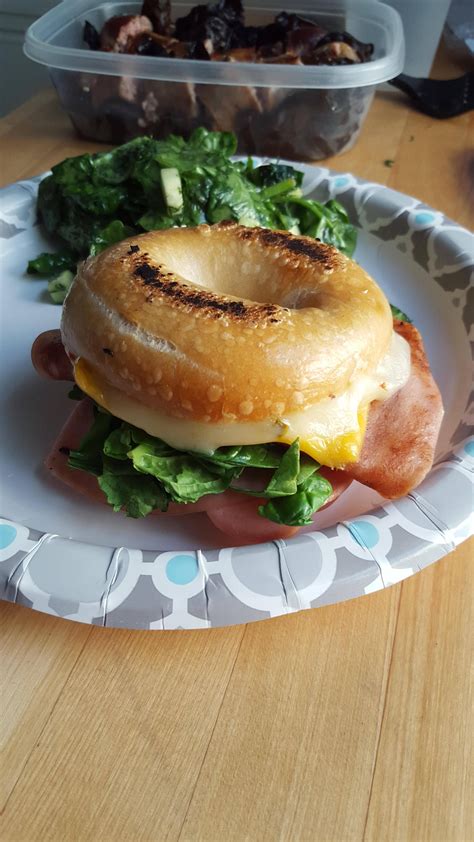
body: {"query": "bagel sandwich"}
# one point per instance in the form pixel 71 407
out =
pixel 246 372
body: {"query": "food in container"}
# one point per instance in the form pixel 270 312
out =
pixel 293 110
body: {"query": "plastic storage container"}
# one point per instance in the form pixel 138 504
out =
pixel 298 112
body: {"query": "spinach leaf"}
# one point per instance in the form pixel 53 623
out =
pixel 50 203
pixel 88 456
pixel 270 174
pixel 183 477
pixel 127 490
pixel 125 437
pixel 298 509
pixel 50 265
pixel 284 481
pixel 139 472
pixel 112 233
pixel 248 456
pixel 238 199
pixel 328 223
pixel 400 315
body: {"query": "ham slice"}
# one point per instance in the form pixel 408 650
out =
pixel 49 357
pixel 402 432
pixel 237 516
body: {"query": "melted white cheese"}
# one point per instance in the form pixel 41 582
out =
pixel 338 418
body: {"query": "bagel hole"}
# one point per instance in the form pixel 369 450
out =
pixel 229 270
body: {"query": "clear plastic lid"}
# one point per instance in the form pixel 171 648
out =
pixel 56 41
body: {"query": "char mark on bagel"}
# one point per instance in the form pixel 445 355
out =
pixel 325 256
pixel 214 305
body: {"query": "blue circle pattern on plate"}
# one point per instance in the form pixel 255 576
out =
pixel 203 589
pixel 8 533
pixel 182 569
pixel 424 218
pixel 365 533
pixel 469 448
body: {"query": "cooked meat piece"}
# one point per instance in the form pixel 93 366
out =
pixel 199 51
pixel 402 432
pixel 147 44
pixel 104 88
pixel 246 36
pixel 307 125
pixel 69 438
pixel 150 43
pixel 159 12
pixel 174 48
pixel 168 107
pixel 290 22
pixel 97 108
pixel 289 33
pixel 271 98
pixel 221 23
pixel 231 111
pixel 336 52
pixel 284 58
pixel 304 40
pixel 117 32
pixel 363 51
pixel 239 54
pixel 237 517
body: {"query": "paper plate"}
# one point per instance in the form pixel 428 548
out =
pixel 67 557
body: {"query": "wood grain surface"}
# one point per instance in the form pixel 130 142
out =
pixel 350 722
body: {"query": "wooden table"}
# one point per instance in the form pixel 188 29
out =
pixel 344 723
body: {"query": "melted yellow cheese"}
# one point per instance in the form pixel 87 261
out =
pixel 334 451
pixel 332 432
pixel 90 383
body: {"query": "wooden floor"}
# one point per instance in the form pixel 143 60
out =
pixel 351 722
